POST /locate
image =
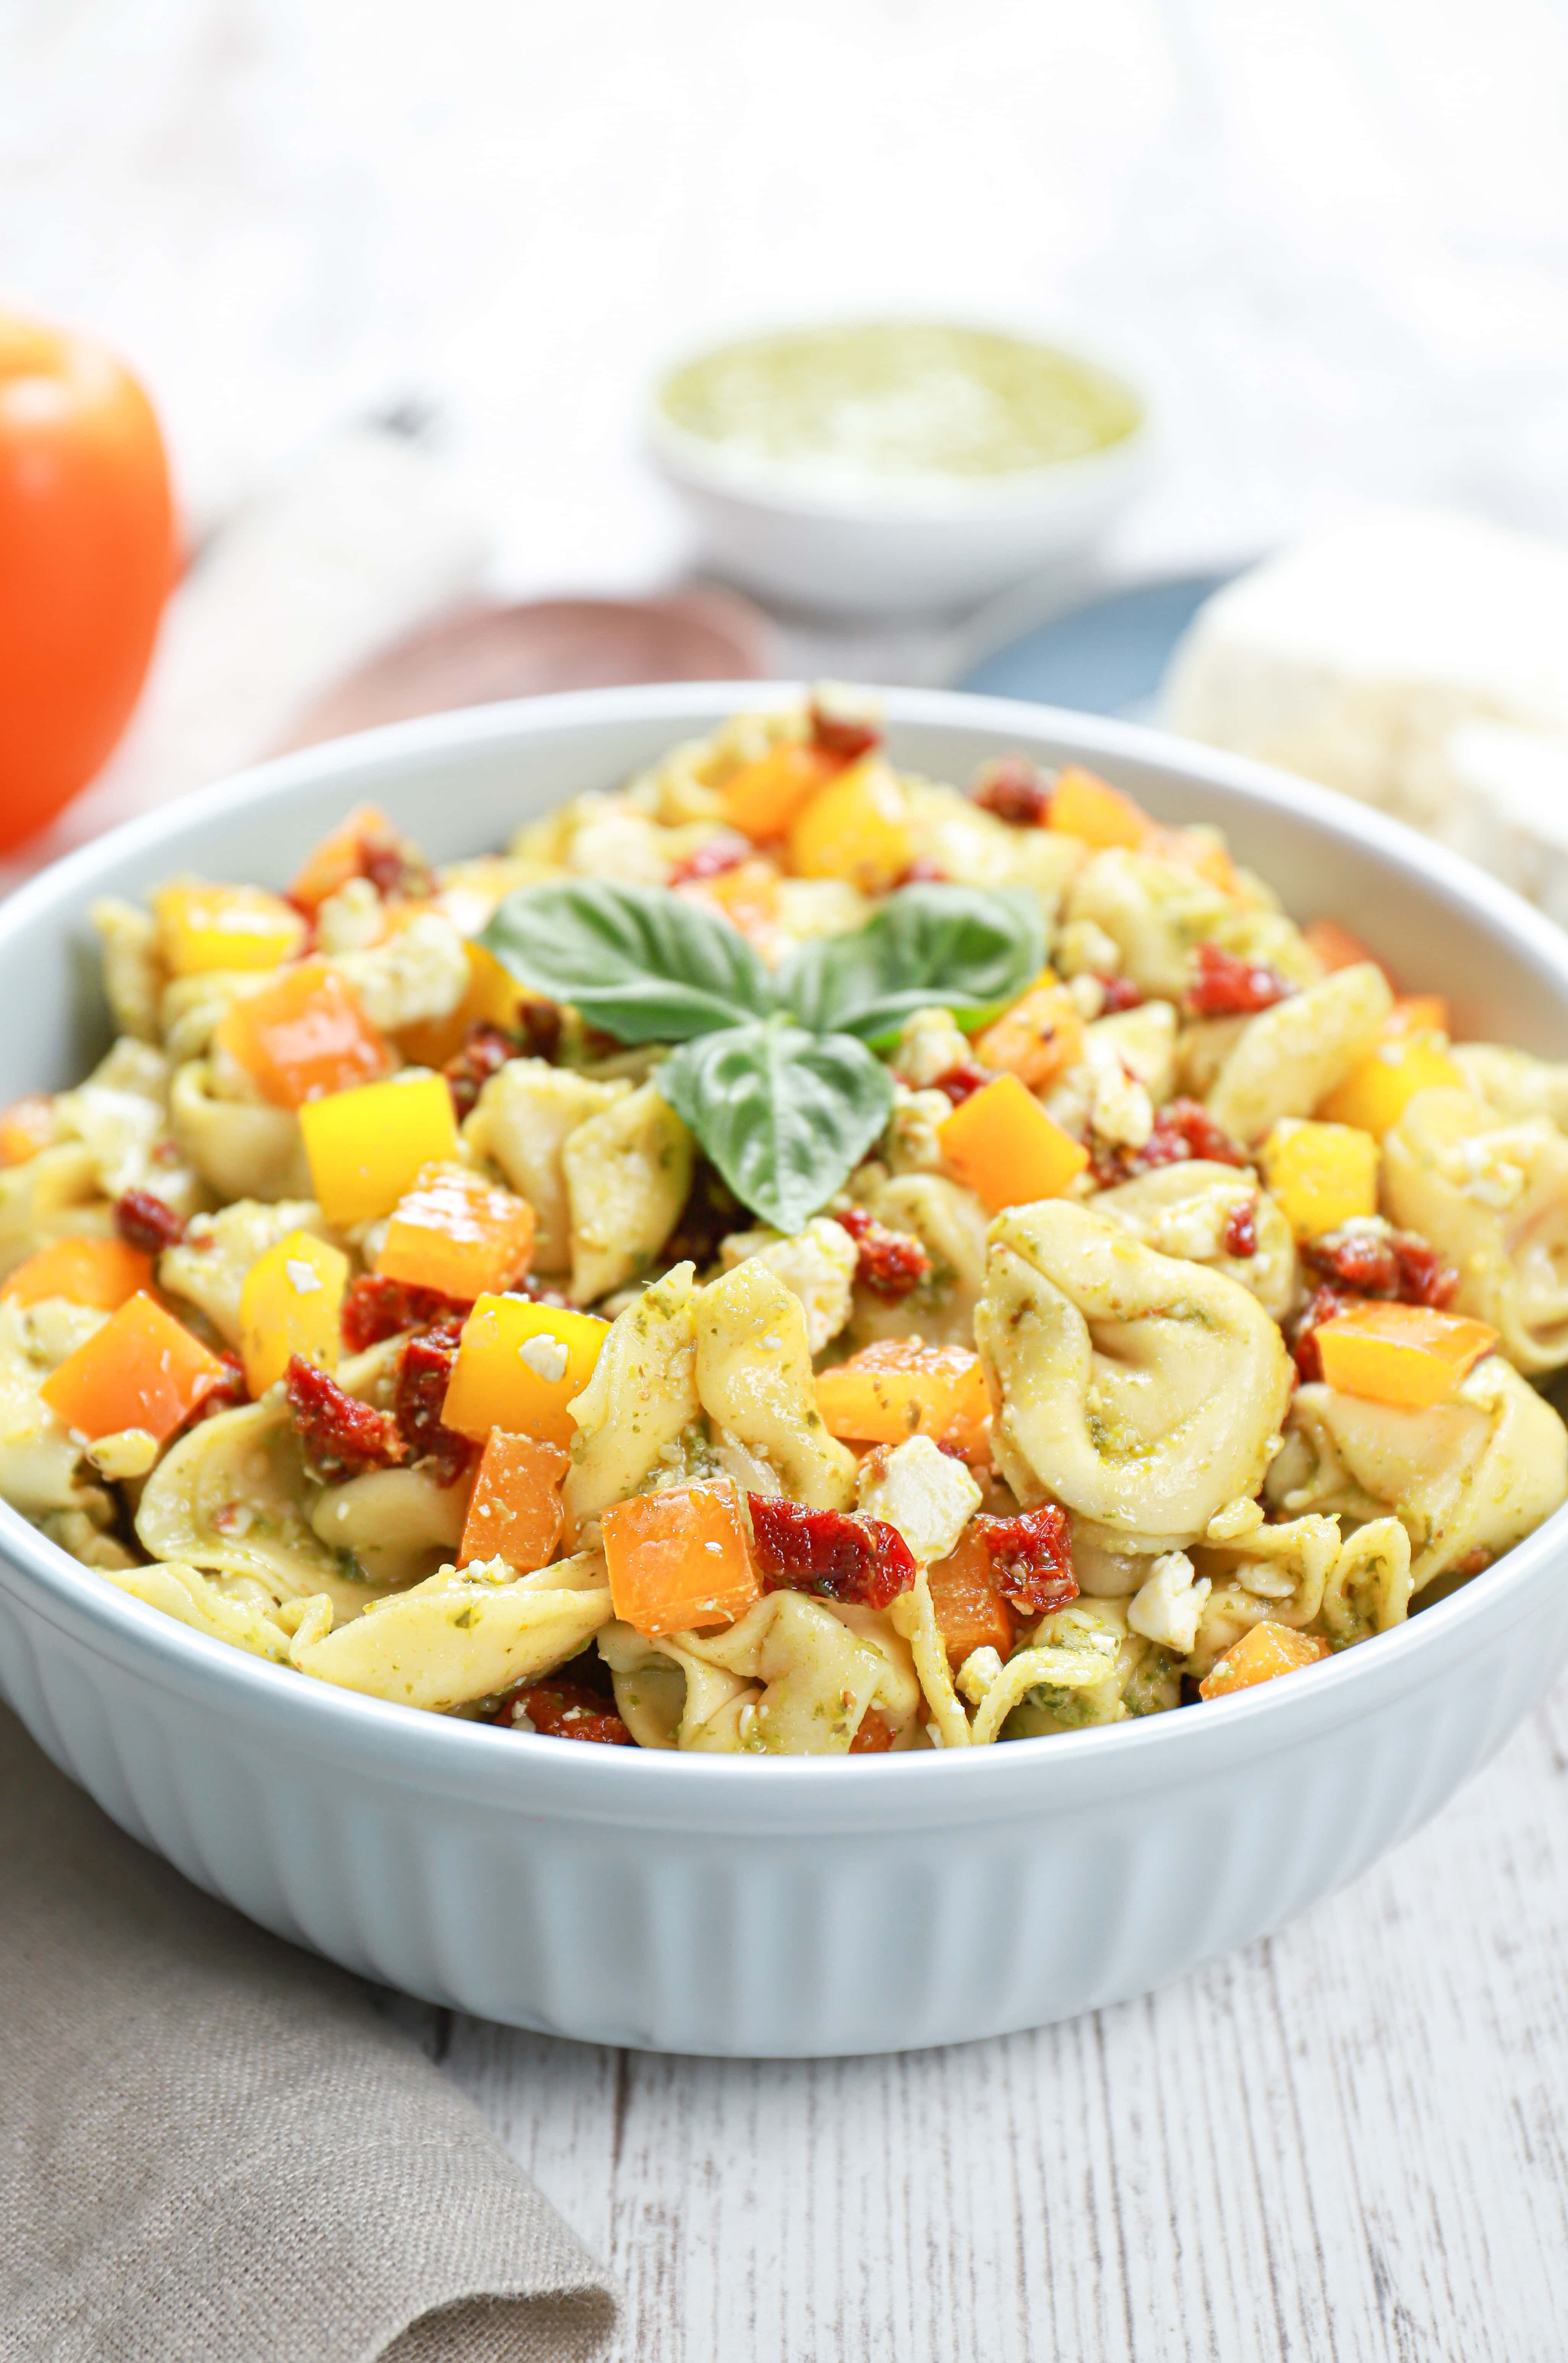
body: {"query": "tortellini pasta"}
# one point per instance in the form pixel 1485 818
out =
pixel 1141 1392
pixel 1466 1479
pixel 1492 1199
pixel 1288 1058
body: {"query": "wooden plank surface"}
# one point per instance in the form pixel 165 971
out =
pixel 1349 2143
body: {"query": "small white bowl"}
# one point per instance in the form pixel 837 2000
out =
pixel 723 1904
pixel 813 537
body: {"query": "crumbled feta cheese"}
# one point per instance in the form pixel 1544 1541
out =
pixel 922 1491
pixel 978 1671
pixel 303 1278
pixel 1085 949
pixel 930 1044
pixel 546 1357
pixel 1167 1607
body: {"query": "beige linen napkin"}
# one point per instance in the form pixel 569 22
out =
pixel 212 2150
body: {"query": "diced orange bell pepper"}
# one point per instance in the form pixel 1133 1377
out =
pixel 1319 1175
pixel 142 1368
pixel 763 798
pixel 367 1147
pixel 341 855
pixel 1037 1039
pixel 458 1232
pixel 1418 1013
pixel 902 1387
pixel 678 1558
pixel 493 998
pixel 1085 806
pixel 202 927
pixel 29 1124
pixel 1336 948
pixel 514 1512
pixel 518 1365
pixel 970 1613
pixel 1376 1094
pixel 749 898
pixel 303 1038
pixel 1400 1353
pixel 101 1272
pixel 1003 1144
pixel 858 827
pixel 291 1303
pixel 1260 1656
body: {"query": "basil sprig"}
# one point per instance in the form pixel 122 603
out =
pixel 773 1075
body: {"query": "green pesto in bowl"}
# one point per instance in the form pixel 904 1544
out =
pixel 899 401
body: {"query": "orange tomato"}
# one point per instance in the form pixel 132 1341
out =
pixel 86 562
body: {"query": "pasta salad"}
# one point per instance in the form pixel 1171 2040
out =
pixel 789 1257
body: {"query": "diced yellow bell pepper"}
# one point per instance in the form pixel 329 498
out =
pixel 367 1147
pixel 1085 806
pixel 1003 1144
pixel 857 828
pixel 763 798
pixel 1376 1094
pixel 1319 1175
pixel 492 999
pixel 202 927
pixel 518 1365
pixel 291 1303
pixel 1261 1655
pixel 1403 1354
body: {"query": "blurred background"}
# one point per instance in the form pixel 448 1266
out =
pixel 1328 241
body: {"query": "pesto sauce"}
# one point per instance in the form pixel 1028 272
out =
pixel 889 398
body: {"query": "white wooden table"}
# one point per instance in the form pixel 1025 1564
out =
pixel 1339 237
pixel 1347 2144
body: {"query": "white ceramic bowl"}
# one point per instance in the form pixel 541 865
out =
pixel 719 1905
pixel 923 547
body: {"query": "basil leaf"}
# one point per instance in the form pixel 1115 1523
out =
pixel 636 961
pixel 785 1116
pixel 967 949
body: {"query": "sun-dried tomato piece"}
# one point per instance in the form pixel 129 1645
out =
pixel 874 1736
pixel 1326 1302
pixel 147 1222
pixel 827 1551
pixel 342 1436
pixel 1240 1237
pixel 230 1392
pixel 564 1710
pixel 376 1309
pixel 922 874
pixel 890 1263
pixel 1014 790
pixel 1225 985
pixel 1031 1558
pixel 393 869
pixel 424 1373
pixel 485 1051
pixel 843 734
pixel 539 1027
pixel 722 852
pixel 1424 1278
pixel 1182 1129
pixel 961 1083
pixel 1120 993
pixel 1387 1263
